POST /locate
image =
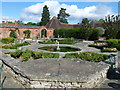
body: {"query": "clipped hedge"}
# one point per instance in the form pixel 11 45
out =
pixel 15 46
pixel 109 50
pixel 78 33
pixel 113 43
pixel 97 46
pixel 67 41
pixel 7 40
pixel 63 41
pixel 16 54
pixel 89 56
pixel 27 54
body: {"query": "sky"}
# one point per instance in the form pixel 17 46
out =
pixel 31 11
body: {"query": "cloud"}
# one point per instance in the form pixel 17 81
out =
pixel 94 12
pixel 7 18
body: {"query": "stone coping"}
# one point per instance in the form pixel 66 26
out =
pixel 64 70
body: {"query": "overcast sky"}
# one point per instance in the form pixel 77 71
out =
pixel 31 11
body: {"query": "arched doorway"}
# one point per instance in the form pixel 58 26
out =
pixel 43 33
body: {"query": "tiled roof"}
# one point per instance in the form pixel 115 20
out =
pixel 22 26
pixel 56 24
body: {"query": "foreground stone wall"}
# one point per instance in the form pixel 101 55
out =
pixel 43 73
pixel 96 79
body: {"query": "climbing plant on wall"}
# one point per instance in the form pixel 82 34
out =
pixel 27 33
pixel 13 33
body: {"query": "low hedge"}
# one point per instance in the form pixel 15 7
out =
pixel 114 43
pixel 109 50
pixel 16 54
pixel 27 54
pixel 37 55
pixel 89 56
pixel 97 46
pixel 7 40
pixel 63 41
pixel 15 46
pixel 67 41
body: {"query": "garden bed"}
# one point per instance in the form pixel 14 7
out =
pixel 15 46
pixel 27 54
pixel 89 56
pixel 54 73
pixel 63 41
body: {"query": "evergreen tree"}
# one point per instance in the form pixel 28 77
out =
pixel 86 28
pixel 62 15
pixel 45 16
pixel 112 26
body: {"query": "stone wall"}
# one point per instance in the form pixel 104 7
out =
pixel 27 83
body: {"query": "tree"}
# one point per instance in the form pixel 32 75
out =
pixel 27 33
pixel 13 33
pixel 86 28
pixel 45 16
pixel 31 24
pixel 19 22
pixel 63 15
pixel 112 26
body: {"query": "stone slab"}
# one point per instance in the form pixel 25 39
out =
pixel 65 70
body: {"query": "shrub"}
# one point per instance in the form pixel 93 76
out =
pixel 118 35
pixel 26 55
pixel 37 55
pixel 89 56
pixel 112 43
pixel 72 55
pixel 67 41
pixel 97 46
pixel 7 40
pixel 13 34
pixel 16 54
pixel 50 55
pixel 94 35
pixel 27 33
pixel 15 46
pixel 79 33
pixel 109 50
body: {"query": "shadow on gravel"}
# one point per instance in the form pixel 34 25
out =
pixel 112 74
pixel 114 85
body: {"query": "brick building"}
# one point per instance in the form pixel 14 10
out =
pixel 38 31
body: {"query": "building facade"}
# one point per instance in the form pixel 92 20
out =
pixel 36 31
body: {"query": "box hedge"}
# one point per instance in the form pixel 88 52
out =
pixel 89 56
pixel 78 33
pixel 7 40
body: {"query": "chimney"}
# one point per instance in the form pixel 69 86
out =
pixel 3 22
